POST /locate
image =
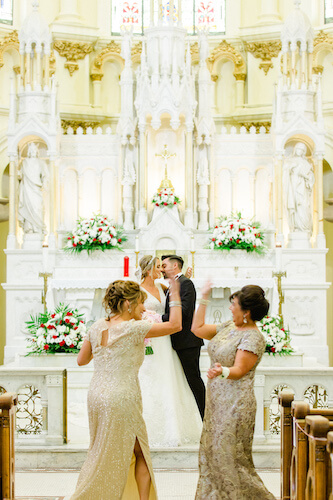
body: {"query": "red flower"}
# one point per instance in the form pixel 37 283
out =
pixel 53 315
pixel 240 230
pixel 46 347
pixel 119 240
pixel 220 243
pixel 62 343
pixel 108 242
pixel 165 203
pixel 75 327
pixel 74 244
pixel 238 241
pixel 54 336
pixel 259 235
pixel 69 314
pixel 95 239
pixel 230 239
pixel 273 349
pixel 175 203
pixel 71 346
pixel 50 327
pixel 69 238
pixel 100 229
pixel 42 325
pixel 254 246
pixel 216 227
pixel 231 226
pixel 67 320
pixel 60 322
pixel 213 239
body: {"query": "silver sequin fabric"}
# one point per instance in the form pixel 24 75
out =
pixel 115 414
pixel 225 457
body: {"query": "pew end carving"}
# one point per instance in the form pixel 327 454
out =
pixel 8 402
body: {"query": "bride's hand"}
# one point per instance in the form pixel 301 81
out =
pixel 174 289
pixel 206 289
pixel 214 371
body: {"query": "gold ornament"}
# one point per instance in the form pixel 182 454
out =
pixel 264 51
pixel 322 42
pixel 73 51
pixel 10 41
pixel 257 125
pixel 112 50
pixel 75 124
pixel 166 183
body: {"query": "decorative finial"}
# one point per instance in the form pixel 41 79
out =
pixel 297 3
pixel 35 4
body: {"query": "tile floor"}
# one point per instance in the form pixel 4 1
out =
pixel 171 485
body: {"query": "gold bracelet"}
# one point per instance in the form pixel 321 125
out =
pixel 204 302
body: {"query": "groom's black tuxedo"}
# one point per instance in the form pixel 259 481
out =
pixel 186 344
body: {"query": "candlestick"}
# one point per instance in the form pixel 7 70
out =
pixel 45 250
pixel 192 244
pixel 45 277
pixel 126 267
pixel 192 252
pixel 278 256
pixel 137 258
pixel 137 244
pixel 279 276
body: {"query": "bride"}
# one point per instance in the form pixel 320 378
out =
pixel 167 398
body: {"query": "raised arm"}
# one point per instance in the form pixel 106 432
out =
pixel 175 318
pixel 199 327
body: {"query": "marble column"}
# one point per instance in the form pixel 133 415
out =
pixel 141 219
pixel 279 198
pixel 53 211
pixel 11 238
pixel 240 87
pixel 97 88
pixel 189 179
pixel 69 12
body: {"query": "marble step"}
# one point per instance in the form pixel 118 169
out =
pixel 72 457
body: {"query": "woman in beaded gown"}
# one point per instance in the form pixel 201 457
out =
pixel 118 464
pixel 225 457
pixel 166 396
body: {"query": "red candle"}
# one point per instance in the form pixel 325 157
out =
pixel 126 267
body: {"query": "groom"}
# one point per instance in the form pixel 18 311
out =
pixel 185 343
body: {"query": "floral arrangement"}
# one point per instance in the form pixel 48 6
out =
pixel 56 332
pixel 277 337
pixel 237 232
pixel 152 317
pixel 165 198
pixel 98 232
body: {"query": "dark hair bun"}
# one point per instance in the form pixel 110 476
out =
pixel 252 298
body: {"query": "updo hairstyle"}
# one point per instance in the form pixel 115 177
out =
pixel 147 263
pixel 118 292
pixel 252 298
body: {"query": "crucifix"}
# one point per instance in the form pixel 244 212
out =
pixel 45 277
pixel 166 156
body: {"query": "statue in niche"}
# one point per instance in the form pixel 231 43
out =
pixel 203 169
pixel 32 176
pixel 298 183
pixel 129 175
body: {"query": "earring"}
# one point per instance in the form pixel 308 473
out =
pixel 244 319
pixel 129 309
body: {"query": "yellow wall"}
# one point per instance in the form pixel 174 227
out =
pixel 3 237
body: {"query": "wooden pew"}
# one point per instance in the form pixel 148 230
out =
pixel 8 401
pixel 317 481
pixel 286 398
pixel 330 451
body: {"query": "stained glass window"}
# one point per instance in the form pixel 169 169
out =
pixel 328 11
pixel 6 11
pixel 194 14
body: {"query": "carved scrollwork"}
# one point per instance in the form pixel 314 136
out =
pixel 10 41
pixel 111 51
pixel 264 51
pixel 194 49
pixel 75 124
pixel 73 51
pixel 227 51
pixel 322 43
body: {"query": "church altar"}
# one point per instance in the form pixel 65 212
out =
pixel 273 176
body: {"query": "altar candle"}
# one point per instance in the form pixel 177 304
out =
pixel 278 256
pixel 192 244
pixel 126 267
pixel 45 250
pixel 137 244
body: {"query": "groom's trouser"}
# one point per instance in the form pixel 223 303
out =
pixel 189 359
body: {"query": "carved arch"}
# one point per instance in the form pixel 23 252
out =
pixel 110 52
pixel 10 41
pixel 322 43
pixel 226 51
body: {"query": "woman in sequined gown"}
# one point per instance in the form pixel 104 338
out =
pixel 235 349
pixel 166 396
pixel 118 464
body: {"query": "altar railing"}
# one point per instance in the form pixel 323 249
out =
pixel 41 415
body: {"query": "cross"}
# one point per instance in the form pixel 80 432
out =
pixel 165 155
pixel 45 276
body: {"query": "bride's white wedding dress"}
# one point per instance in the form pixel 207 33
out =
pixel 169 407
